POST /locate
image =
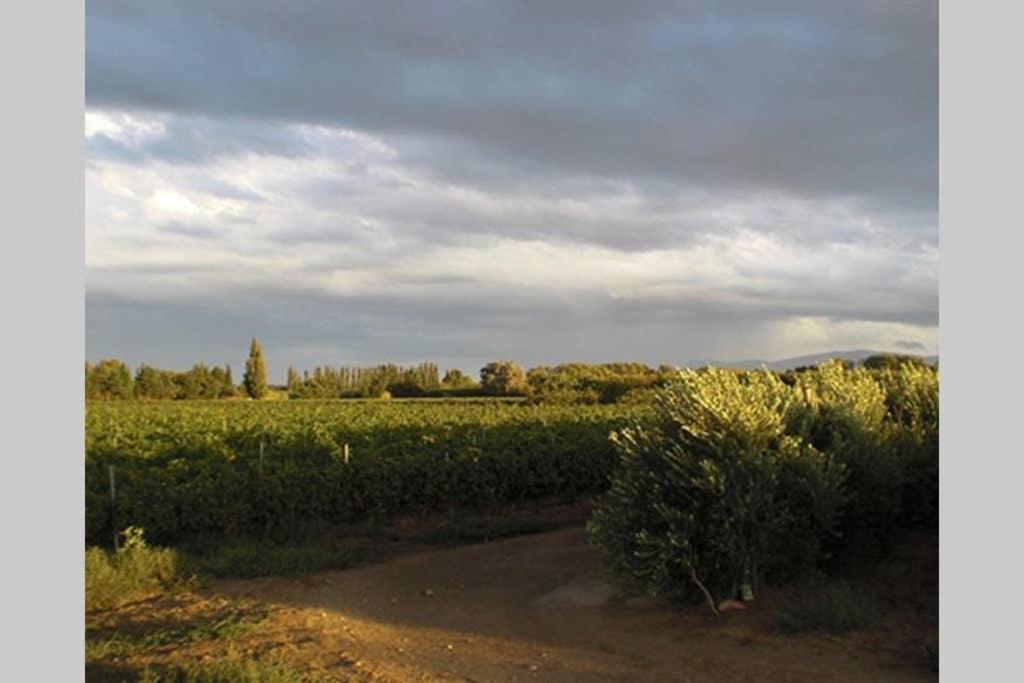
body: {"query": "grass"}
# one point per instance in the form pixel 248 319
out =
pixel 116 578
pixel 251 560
pixel 127 644
pixel 833 607
pixel 133 573
pixel 231 669
pixel 119 649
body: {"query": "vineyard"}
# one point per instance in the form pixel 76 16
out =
pixel 190 469
pixel 723 487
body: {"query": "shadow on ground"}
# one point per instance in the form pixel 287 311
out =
pixel 535 608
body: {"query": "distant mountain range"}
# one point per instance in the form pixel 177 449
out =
pixel 857 356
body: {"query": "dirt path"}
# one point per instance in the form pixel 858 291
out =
pixel 534 609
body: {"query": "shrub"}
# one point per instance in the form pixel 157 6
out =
pixel 638 397
pixel 717 496
pixel 240 560
pixel 133 572
pixel 589 383
pixel 912 401
pixel 834 607
pixel 846 416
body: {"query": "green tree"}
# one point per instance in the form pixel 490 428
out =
pixel 294 382
pixel 457 379
pixel 229 388
pixel 716 495
pixel 255 379
pixel 503 378
pixel 109 379
pixel 153 383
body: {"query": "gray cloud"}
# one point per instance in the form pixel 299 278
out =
pixel 305 329
pixel 810 98
pixel 194 231
pixel 551 180
pixel 200 140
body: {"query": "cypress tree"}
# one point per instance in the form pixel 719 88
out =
pixel 255 379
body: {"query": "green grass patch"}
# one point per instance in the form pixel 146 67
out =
pixel 117 578
pixel 251 560
pixel 833 607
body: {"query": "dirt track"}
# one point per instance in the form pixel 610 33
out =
pixel 534 609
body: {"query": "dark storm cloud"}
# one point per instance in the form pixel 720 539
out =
pixel 807 98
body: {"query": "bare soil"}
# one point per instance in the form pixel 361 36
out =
pixel 532 608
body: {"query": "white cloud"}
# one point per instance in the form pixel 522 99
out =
pixel 806 335
pixel 350 220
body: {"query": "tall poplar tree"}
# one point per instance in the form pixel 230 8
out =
pixel 255 379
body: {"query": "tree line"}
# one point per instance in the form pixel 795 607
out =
pixel 365 382
pixel 576 383
pixel 111 379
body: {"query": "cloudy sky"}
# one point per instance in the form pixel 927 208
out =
pixel 548 182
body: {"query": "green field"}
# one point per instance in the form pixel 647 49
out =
pixel 723 487
pixel 191 469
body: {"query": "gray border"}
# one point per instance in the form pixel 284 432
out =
pixel 980 455
pixel 42 493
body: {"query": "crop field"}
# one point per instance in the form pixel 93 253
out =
pixel 345 540
pixel 187 469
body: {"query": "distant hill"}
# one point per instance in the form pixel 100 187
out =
pixel 856 356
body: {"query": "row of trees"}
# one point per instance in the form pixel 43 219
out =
pixel 372 382
pixel 566 383
pixel 111 379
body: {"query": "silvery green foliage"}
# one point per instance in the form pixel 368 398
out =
pixel 912 399
pixel 851 423
pixel 719 493
pixel 744 478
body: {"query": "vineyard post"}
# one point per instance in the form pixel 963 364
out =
pixel 113 504
pixel 345 453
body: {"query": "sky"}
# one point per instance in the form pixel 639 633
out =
pixel 460 182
